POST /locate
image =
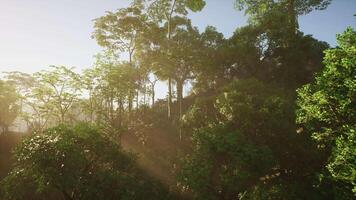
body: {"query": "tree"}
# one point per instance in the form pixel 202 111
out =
pixel 224 165
pixel 209 70
pixel 245 139
pixel 62 87
pixel 106 87
pixel 230 131
pixel 123 30
pixel 284 50
pixel 326 109
pixel 35 101
pixel 183 58
pixel 90 106
pixel 9 105
pixel 152 81
pixel 163 12
pixel 70 161
pixel 47 96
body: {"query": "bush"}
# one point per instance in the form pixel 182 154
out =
pixel 76 162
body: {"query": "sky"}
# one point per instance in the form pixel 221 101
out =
pixel 37 33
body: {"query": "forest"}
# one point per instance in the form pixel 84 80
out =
pixel 270 113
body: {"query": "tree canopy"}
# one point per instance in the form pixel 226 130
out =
pixel 327 108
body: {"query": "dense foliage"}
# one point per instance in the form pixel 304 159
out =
pixel 327 109
pixel 76 163
pixel 250 143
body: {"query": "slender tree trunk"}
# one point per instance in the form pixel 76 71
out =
pixel 144 95
pixel 130 57
pixel 179 101
pixel 137 100
pixel 121 111
pixel 112 111
pixel 91 107
pixel 180 96
pixel 120 107
pixel 153 94
pixel 169 18
pixel 130 100
pixel 169 102
pixel 62 116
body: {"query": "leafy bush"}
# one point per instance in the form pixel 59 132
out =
pixel 250 137
pixel 76 162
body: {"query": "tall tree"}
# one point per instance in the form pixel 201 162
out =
pixel 163 12
pixel 185 57
pixel 123 31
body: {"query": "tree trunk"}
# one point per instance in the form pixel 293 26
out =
pixel 293 22
pixel 144 95
pixel 169 18
pixel 137 100
pixel 153 94
pixel 112 111
pixel 120 108
pixel 130 100
pixel 91 107
pixel 179 101
pixel 169 102
pixel 62 117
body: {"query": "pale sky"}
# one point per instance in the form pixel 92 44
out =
pixel 37 33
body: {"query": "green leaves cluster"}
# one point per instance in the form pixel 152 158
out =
pixel 237 147
pixel 327 108
pixel 78 162
pixel 48 97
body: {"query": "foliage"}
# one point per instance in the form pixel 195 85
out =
pixel 246 141
pixel 111 86
pixel 327 108
pixel 291 8
pixel 35 110
pixel 46 97
pixel 61 85
pixel 123 30
pixel 71 161
pixel 162 9
pixel 170 16
pixel 225 163
pixel 9 105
